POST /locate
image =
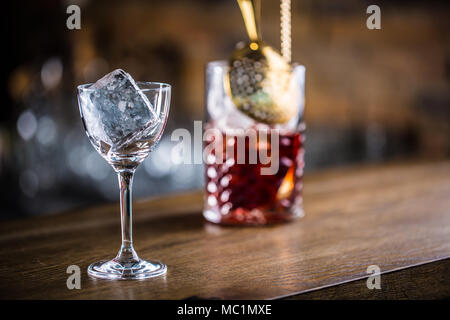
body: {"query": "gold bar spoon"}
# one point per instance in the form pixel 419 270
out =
pixel 259 78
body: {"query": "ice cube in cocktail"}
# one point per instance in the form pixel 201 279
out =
pixel 119 118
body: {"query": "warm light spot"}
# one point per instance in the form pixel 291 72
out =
pixel 19 83
pixel 254 46
pixel 286 187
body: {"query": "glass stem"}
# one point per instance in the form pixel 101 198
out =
pixel 126 254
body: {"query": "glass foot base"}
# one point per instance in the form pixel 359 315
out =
pixel 113 270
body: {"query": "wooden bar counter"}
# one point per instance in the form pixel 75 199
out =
pixel 395 216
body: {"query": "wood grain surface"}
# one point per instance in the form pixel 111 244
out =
pixel 395 216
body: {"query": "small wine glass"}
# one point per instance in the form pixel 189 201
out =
pixel 124 154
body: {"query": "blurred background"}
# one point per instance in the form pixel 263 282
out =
pixel 371 95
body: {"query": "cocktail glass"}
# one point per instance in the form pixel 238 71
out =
pixel 124 153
